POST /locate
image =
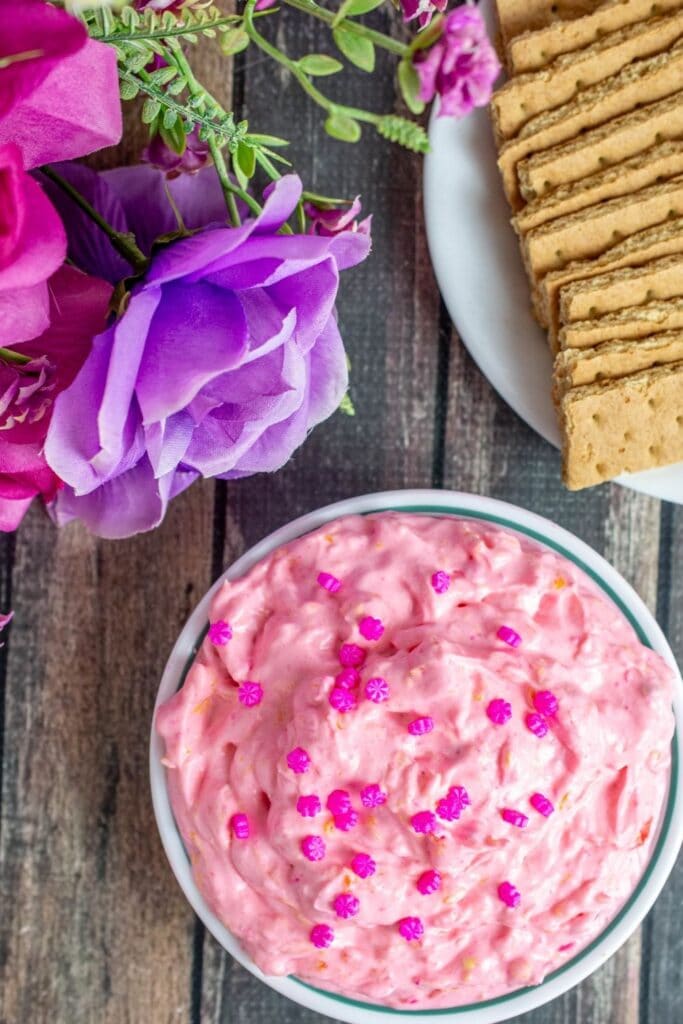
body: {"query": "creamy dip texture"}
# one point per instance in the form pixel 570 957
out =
pixel 418 761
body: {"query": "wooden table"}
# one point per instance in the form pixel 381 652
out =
pixel 93 927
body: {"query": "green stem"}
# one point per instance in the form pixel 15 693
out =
pixel 123 243
pixel 142 81
pixel 135 36
pixel 301 77
pixel 197 90
pixel 378 38
pixel 10 356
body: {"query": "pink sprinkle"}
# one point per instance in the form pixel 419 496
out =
pixel 451 806
pixel 370 628
pixel 377 690
pixel 411 928
pixel 372 796
pixel 546 703
pixel 423 821
pixel 313 847
pixel 338 802
pixel 536 724
pixel 341 700
pixel 499 711
pixel 329 582
pixel 250 694
pixel 239 824
pixel 219 633
pixel 348 679
pixel 541 804
pixel 509 636
pixel 322 936
pixel 363 865
pixel 346 821
pixel 441 581
pixel 429 882
pixel 308 806
pixel 565 947
pixel 515 818
pixel 420 726
pixel 345 905
pixel 351 656
pixel 298 760
pixel 509 895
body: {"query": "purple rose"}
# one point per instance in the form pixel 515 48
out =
pixel 461 66
pixel 228 353
pixel 331 220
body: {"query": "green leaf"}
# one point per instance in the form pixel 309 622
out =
pixel 341 127
pixel 150 110
pixel 176 86
pixel 409 84
pixel 357 49
pixel 173 134
pixel 233 41
pixel 246 158
pixel 128 90
pixel 162 76
pixel 346 406
pixel 267 140
pixel 404 132
pixel 319 64
pixel 354 8
pixel 242 179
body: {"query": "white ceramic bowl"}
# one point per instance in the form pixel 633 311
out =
pixel 670 834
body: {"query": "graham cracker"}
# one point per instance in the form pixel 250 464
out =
pixel 622 426
pixel 643 81
pixel 614 359
pixel 585 300
pixel 629 324
pixel 530 51
pixel 602 147
pixel 641 248
pixel 525 96
pixel 654 165
pixel 515 16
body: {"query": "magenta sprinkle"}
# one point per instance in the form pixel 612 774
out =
pixel 515 818
pixel 421 726
pixel 423 821
pixel 372 796
pixel 441 581
pixel 451 806
pixel 509 636
pixel 370 628
pixel 313 847
pixel 346 821
pixel 298 760
pixel 411 928
pixel 308 806
pixel 541 804
pixel 338 802
pixel 351 656
pixel 341 700
pixel 377 690
pixel 363 865
pixel 219 633
pixel 322 936
pixel 499 711
pixel 565 947
pixel 250 694
pixel 546 703
pixel 348 679
pixel 536 724
pixel 429 882
pixel 329 582
pixel 239 824
pixel 345 905
pixel 509 895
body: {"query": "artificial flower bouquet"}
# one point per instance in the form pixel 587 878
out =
pixel 176 319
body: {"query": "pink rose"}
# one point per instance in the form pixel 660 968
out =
pixel 59 90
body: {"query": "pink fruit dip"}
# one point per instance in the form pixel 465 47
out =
pixel 418 761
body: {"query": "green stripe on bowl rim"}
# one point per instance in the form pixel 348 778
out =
pixel 466 513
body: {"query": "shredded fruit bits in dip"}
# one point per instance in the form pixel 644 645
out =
pixel 449 774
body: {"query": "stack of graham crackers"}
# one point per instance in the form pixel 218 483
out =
pixel 589 128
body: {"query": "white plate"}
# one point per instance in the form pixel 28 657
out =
pixel 479 271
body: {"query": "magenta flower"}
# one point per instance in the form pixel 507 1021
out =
pixel 461 66
pixel 227 355
pixel 422 9
pixel 331 220
pixel 194 157
pixel 63 100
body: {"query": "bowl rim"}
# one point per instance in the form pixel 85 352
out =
pixel 670 832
